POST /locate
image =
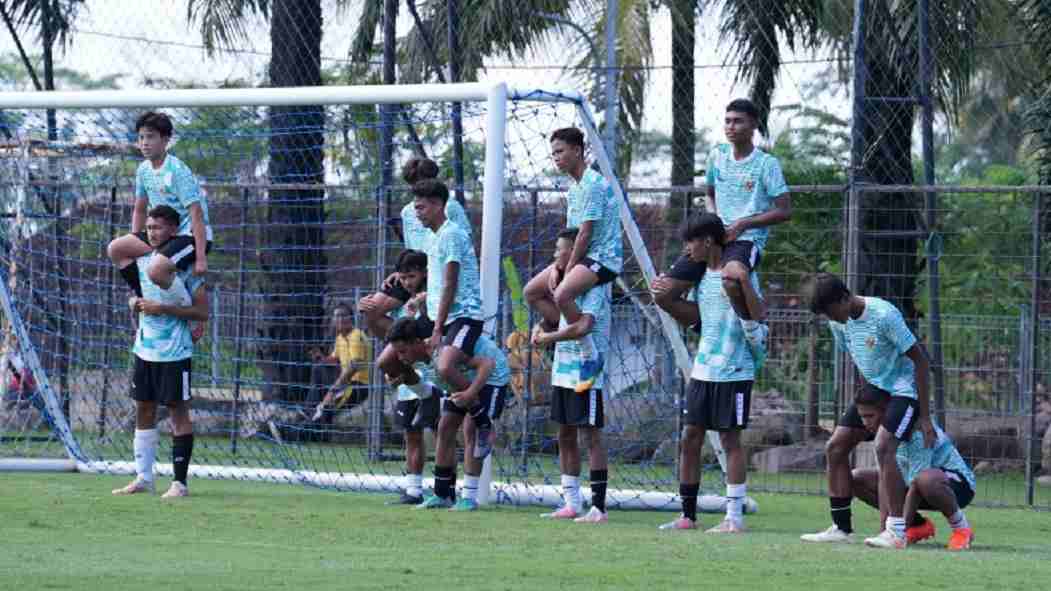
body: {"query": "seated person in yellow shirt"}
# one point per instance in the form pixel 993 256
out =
pixel 353 351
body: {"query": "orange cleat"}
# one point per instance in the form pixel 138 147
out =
pixel 961 539
pixel 921 532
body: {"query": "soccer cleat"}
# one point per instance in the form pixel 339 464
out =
pixel 961 539
pixel 435 502
pixel 176 490
pixel 832 535
pixel 465 505
pixel 594 515
pixel 406 499
pixel 139 485
pixel 589 373
pixel 682 522
pixel 728 526
pixel 886 539
pixel 757 343
pixel 483 444
pixel 918 533
pixel 563 512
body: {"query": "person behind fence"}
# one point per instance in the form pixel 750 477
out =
pixel 392 295
pixel 163 353
pixel 578 413
pixel 888 356
pixel 21 386
pixel 482 398
pixel 937 478
pixel 747 190
pixel 353 352
pixel 598 253
pixel 724 371
pixel 163 179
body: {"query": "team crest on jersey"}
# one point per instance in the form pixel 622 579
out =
pixel 749 184
pixel 870 342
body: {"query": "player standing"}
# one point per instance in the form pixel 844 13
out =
pixel 578 413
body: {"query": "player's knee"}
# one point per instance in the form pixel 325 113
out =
pixel 837 451
pixel 159 274
pixel 445 367
pixel 886 450
pixel 692 436
pixel 928 480
pixel 113 250
pixel 563 296
pixel 731 440
pixel 731 285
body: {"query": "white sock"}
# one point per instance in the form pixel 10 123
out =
pixel 145 452
pixel 414 485
pixel 896 525
pixel 470 487
pixel 735 502
pixel 587 346
pixel 959 520
pixel 571 491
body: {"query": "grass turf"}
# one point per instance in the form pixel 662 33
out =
pixel 65 531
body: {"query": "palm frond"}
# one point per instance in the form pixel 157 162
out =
pixel 365 34
pixel 223 22
pixel 30 14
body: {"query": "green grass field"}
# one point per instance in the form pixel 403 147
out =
pixel 65 531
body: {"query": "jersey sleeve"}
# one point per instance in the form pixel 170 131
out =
pixel 893 328
pixel 455 212
pixel 451 247
pixel 774 178
pixel 140 185
pixel 187 189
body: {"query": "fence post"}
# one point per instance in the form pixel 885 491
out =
pixel 239 326
pixel 1034 347
pixel 852 245
pixel 110 277
pixel 527 389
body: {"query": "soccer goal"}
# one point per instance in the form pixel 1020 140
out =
pixel 304 195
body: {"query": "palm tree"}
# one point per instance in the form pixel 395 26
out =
pixel 1035 17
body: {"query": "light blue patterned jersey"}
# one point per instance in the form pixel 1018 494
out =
pixel 174 185
pixel 164 338
pixel 426 371
pixel 877 342
pixel 417 236
pixel 485 347
pixel 745 187
pixel 592 200
pixel 914 457
pixel 565 369
pixel 452 244
pixel 722 353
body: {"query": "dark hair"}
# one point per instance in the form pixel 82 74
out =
pixel 704 225
pixel 569 135
pixel 411 260
pixel 431 189
pixel 569 234
pixel 418 169
pixel 166 213
pixel 158 122
pixel 743 105
pixel 872 396
pixel 824 290
pixel 343 306
pixel 408 329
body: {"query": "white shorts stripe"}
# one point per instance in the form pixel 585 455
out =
pixel 185 386
pixel 492 401
pixel 899 432
pixel 181 254
pixel 753 256
pixel 592 407
pixel 740 408
pixel 461 336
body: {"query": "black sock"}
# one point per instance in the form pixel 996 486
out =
pixel 599 480
pixel 444 481
pixel 688 492
pixel 841 513
pixel 481 418
pixel 131 276
pixel 917 520
pixel 182 449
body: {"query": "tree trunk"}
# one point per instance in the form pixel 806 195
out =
pixel 294 259
pixel 683 131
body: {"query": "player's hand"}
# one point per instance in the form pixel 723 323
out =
pixel 435 341
pixel 150 307
pixel 554 277
pixel 464 399
pixel 200 266
pixel 133 304
pixel 416 302
pixel 660 285
pixel 930 436
pixel 367 304
pixel 540 338
pixel 197 332
pixel 392 280
pixel 734 231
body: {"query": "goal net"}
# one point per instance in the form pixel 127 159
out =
pixel 304 197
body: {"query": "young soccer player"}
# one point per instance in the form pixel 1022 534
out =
pixel 163 179
pixel 747 190
pixel 720 391
pixel 393 294
pixel 597 255
pixel 483 398
pixel 163 354
pixel 578 413
pixel 937 478
pixel 888 356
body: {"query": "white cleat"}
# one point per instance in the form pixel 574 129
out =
pixel 139 485
pixel 595 515
pixel 176 490
pixel 886 539
pixel 832 535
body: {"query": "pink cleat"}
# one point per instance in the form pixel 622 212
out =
pixel 563 512
pixel 176 490
pixel 595 515
pixel 139 485
pixel 682 522
pixel 728 526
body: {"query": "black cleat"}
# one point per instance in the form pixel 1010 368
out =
pixel 406 499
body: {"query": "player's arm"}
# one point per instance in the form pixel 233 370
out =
pixel 709 199
pixel 918 354
pixel 450 284
pixel 198 310
pixel 684 312
pixel 138 214
pixel 580 245
pixel 780 212
pixel 570 332
pixel 200 238
pixel 483 367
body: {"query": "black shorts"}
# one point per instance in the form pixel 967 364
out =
pixel 960 488
pixel 604 275
pixel 900 417
pixel 396 291
pixel 742 251
pixel 581 410
pixel 181 250
pixel 685 269
pixel 491 397
pixel 852 420
pixel 463 334
pixel 416 415
pixel 718 406
pixel 163 382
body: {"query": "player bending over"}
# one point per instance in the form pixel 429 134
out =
pixel 889 357
pixel 937 478
pixel 163 353
pixel 724 370
pixel 483 398
pixel 578 413
pixel 597 255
